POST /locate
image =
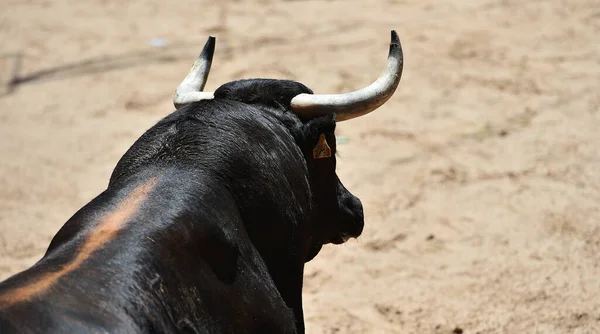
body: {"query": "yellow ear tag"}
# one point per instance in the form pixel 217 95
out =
pixel 322 150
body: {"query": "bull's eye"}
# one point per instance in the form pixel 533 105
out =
pixel 322 150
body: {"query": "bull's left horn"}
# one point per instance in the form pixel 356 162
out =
pixel 190 89
pixel 360 102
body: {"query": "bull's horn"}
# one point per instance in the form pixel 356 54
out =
pixel 360 102
pixel 190 89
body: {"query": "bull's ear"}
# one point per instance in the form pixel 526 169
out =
pixel 317 126
pixel 322 150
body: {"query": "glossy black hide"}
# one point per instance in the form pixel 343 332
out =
pixel 220 243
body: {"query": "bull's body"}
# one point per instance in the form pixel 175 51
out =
pixel 227 177
pixel 205 226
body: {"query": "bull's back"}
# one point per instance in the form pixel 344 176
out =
pixel 124 264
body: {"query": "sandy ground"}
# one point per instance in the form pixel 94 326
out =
pixel 480 178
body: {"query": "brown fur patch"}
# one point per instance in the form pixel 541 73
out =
pixel 108 227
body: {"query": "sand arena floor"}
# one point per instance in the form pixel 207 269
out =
pixel 480 178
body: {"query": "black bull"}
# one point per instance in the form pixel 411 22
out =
pixel 206 223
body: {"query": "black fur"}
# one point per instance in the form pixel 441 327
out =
pixel 220 244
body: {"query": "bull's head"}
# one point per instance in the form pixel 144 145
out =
pixel 338 215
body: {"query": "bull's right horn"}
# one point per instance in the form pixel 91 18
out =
pixel 354 104
pixel 190 89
